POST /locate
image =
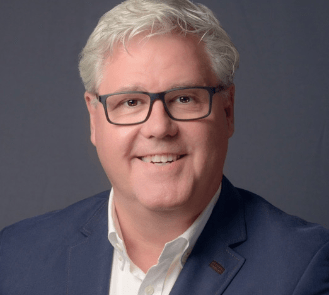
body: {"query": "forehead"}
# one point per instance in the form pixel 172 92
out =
pixel 157 64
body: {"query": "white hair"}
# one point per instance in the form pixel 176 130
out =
pixel 154 17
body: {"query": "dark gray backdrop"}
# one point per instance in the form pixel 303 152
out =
pixel 280 147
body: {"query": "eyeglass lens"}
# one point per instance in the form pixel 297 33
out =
pixel 184 104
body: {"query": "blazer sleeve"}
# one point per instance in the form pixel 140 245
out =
pixel 315 280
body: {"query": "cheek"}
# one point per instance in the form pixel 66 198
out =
pixel 210 142
pixel 107 153
pixel 114 144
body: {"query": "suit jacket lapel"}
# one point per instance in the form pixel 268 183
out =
pixel 90 257
pixel 213 263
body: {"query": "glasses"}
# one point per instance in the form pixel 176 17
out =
pixel 181 104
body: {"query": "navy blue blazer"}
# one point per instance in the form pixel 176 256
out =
pixel 247 247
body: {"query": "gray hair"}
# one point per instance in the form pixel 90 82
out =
pixel 133 17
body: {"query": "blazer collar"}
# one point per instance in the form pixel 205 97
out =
pixel 90 257
pixel 213 263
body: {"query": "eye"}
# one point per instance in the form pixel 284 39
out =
pixel 132 102
pixel 184 99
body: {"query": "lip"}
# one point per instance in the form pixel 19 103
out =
pixel 172 169
pixel 161 159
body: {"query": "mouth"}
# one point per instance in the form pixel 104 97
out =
pixel 161 160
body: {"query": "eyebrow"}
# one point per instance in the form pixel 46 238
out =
pixel 130 88
pixel 187 84
pixel 142 89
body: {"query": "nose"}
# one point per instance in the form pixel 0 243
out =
pixel 159 124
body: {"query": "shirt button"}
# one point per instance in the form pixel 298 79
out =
pixel 119 247
pixel 120 258
pixel 149 290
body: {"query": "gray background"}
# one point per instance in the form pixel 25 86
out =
pixel 280 147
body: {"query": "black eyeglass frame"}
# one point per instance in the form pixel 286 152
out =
pixel 160 95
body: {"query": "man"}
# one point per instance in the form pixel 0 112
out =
pixel 160 94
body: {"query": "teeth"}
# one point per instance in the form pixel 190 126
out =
pixel 146 159
pixel 156 159
pixel 161 159
pixel 164 159
pixel 160 164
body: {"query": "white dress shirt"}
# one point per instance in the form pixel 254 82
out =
pixel 128 279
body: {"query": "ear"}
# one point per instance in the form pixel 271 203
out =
pixel 92 108
pixel 229 108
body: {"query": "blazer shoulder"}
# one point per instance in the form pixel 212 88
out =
pixel 53 225
pixel 283 254
pixel 280 227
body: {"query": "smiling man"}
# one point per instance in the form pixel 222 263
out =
pixel 164 171
pixel 160 94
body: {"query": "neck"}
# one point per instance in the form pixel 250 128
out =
pixel 146 232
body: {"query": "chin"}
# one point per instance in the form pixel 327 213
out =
pixel 163 200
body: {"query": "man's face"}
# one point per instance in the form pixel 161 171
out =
pixel 187 184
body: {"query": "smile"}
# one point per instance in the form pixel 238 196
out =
pixel 161 159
